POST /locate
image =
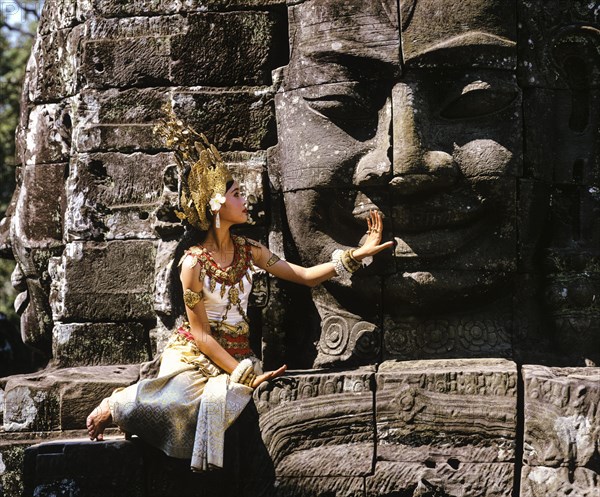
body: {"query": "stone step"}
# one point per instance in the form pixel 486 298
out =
pixel 60 399
pixel 437 427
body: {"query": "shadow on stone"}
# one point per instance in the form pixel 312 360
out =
pixel 133 468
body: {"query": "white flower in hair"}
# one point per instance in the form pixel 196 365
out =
pixel 216 201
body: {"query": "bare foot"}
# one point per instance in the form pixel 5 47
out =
pixel 98 420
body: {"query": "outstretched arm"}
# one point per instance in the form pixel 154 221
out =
pixel 314 275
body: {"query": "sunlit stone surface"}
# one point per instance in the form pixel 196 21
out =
pixel 461 363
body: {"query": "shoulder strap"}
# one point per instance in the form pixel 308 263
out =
pixel 194 252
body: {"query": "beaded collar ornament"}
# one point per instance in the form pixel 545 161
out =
pixel 206 182
pixel 230 278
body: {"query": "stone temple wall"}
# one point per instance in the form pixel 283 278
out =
pixel 459 364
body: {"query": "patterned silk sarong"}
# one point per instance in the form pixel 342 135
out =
pixel 222 402
pixel 185 410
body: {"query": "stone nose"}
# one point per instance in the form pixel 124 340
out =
pixel 417 166
pixel 374 167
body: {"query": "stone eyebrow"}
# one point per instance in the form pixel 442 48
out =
pixel 469 48
pixel 359 63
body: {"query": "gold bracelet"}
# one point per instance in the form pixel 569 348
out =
pixel 274 259
pixel 250 380
pixel 351 264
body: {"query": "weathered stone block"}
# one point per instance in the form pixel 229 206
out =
pixel 163 265
pixel 58 399
pixel 144 52
pixel 120 138
pixel 124 121
pixel 237 119
pixel 104 281
pixel 120 28
pixel 112 195
pixel 53 68
pixel 203 55
pixel 94 344
pixel 566 122
pixel 562 425
pixel 71 468
pixel 323 32
pixel 82 389
pixel 309 421
pixel 575 225
pixel 120 106
pixel 443 478
pixel 47 137
pixel 60 14
pixel 40 208
pixel 533 203
pixel 559 44
pixel 473 333
pixel 117 119
pixel 29 406
pixel 541 481
pixel 461 411
pixel 321 486
pixel 140 61
pixel 116 8
pixel 11 468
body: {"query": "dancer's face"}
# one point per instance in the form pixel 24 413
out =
pixel 234 209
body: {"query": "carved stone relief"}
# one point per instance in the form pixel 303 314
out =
pixel 472 125
pixel 383 108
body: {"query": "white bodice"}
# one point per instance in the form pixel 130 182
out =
pixel 216 305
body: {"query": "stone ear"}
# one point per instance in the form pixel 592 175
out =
pixel 574 51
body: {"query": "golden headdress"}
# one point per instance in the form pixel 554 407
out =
pixel 206 182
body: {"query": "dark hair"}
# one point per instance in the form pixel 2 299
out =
pixel 191 236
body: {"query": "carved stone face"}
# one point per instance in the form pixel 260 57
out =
pixel 420 119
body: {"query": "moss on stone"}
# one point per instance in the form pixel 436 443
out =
pixel 11 480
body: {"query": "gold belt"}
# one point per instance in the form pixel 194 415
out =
pixel 234 330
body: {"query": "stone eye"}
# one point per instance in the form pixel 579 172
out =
pixel 341 107
pixel 478 99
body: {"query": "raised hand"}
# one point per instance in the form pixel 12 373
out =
pixel 372 244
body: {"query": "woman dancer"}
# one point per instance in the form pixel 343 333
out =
pixel 208 371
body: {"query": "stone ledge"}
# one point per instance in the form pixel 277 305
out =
pixel 60 399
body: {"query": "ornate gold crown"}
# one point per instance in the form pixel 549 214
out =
pixel 206 182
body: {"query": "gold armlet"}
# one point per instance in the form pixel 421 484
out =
pixel 191 298
pixel 273 260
